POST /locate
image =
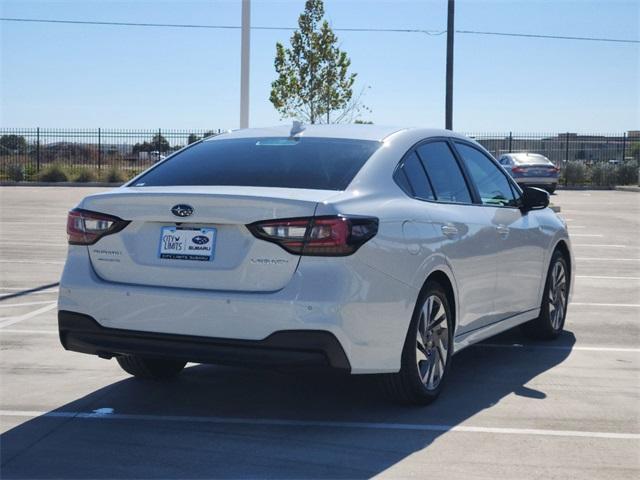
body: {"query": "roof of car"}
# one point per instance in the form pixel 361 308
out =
pixel 350 131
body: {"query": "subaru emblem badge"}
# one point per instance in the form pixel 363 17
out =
pixel 182 210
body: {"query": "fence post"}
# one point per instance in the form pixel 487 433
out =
pixel 99 149
pixel 566 157
pixel 624 146
pixel 38 149
pixel 510 141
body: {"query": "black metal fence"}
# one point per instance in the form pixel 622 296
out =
pixel 29 154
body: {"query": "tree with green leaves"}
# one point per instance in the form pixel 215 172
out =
pixel 314 83
pixel 12 144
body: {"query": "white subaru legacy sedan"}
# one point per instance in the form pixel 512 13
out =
pixel 359 248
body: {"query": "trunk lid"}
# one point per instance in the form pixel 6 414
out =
pixel 239 261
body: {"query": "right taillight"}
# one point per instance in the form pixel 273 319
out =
pixel 319 236
pixel 86 228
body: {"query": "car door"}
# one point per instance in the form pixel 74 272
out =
pixel 460 234
pixel 518 234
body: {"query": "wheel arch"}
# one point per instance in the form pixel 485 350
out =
pixel 563 247
pixel 442 278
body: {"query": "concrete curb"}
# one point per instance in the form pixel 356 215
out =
pixel 584 187
pixel 59 184
pixel 628 188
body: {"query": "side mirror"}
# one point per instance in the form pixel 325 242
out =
pixel 534 199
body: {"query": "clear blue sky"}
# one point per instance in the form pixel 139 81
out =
pixel 103 76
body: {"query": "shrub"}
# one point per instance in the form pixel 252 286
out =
pixel 15 172
pixel 603 174
pixel 86 175
pixel 627 173
pixel 30 172
pixel 575 173
pixel 54 173
pixel 115 175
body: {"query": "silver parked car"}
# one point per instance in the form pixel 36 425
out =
pixel 363 248
pixel 531 169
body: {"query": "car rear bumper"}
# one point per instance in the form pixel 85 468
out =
pixel 536 180
pixel 367 311
pixel 292 349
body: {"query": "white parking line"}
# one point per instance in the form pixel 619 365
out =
pixel 602 245
pixel 29 332
pixel 26 304
pixel 6 321
pixel 600 259
pixel 559 347
pixel 37 262
pixel 39 244
pixel 276 422
pixel 27 288
pixel 607 278
pixel 43 292
pixel 626 305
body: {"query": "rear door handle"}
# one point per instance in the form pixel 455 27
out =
pixel 449 231
pixel 503 231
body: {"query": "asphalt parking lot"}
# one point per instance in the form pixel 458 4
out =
pixel 512 408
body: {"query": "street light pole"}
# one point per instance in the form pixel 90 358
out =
pixel 244 63
pixel 449 88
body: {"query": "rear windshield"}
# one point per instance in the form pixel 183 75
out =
pixel 531 158
pixel 315 163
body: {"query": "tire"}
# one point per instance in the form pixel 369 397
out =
pixel 150 368
pixel 420 380
pixel 553 309
pixel 552 188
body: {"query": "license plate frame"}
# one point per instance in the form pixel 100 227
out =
pixel 181 245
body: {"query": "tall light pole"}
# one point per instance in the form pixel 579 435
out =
pixel 244 63
pixel 448 122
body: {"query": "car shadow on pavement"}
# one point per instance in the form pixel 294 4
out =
pixel 219 440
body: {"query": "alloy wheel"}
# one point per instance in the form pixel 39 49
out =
pixel 432 342
pixel 557 295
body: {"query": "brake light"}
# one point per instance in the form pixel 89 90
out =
pixel 518 170
pixel 319 236
pixel 555 169
pixel 86 228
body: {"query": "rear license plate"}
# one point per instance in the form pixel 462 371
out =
pixel 187 243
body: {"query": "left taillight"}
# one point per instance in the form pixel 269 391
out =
pixel 329 236
pixel 86 228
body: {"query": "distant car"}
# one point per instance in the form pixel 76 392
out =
pixel 531 169
pixel 363 248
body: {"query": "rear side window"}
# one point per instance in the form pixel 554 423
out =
pixel 492 183
pixel 444 173
pixel 314 163
pixel 412 173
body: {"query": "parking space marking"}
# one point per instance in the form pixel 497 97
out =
pixel 42 244
pixel 602 245
pixel 44 292
pixel 626 305
pixel 25 304
pixel 607 278
pixel 559 347
pixel 26 331
pixel 601 259
pixel 37 262
pixel 276 422
pixel 6 321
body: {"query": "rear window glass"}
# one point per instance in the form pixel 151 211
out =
pixel 531 158
pixel 314 163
